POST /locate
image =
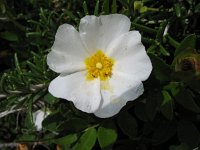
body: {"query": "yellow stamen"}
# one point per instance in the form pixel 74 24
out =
pixel 99 65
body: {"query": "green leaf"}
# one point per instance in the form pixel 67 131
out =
pixel 66 140
pixel 140 111
pixel 73 125
pixel 52 121
pixel 128 124
pixel 160 69
pixel 188 133
pixel 173 87
pixel 29 117
pixel 184 76
pixel 2 7
pixel 166 106
pixel 10 36
pixel 107 135
pixel 96 10
pixel 30 105
pixel 184 98
pixel 144 28
pixel 71 15
pixel 166 97
pixel 105 6
pixel 188 42
pixel 182 146
pixel 27 137
pixel 195 84
pixel 87 140
pixel 163 50
pixel 17 65
pixel 114 6
pixel 177 8
pixel 85 8
pixel 164 131
pixel 159 36
pixel 50 98
pixel 151 104
pixel 167 110
pixel 197 8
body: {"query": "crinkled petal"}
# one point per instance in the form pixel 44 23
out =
pixel 64 63
pixel 67 48
pixel 130 55
pixel 98 32
pixel 74 87
pixel 116 92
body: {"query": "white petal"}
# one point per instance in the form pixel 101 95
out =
pixel 74 87
pixel 130 55
pixel 38 117
pixel 98 32
pixel 67 48
pixel 64 63
pixel 116 92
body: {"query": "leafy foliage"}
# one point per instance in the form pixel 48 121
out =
pixel 166 116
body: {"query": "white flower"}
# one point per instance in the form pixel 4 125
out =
pixel 101 66
pixel 38 117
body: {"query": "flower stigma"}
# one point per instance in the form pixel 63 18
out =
pixel 99 66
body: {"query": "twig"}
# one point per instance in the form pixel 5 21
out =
pixel 8 145
pixel 7 112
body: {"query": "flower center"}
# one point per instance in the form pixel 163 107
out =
pixel 99 65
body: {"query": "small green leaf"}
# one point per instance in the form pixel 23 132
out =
pixel 87 140
pixel 10 36
pixel 173 87
pixel 2 7
pixel 166 97
pixel 105 6
pixel 166 106
pixel 52 121
pixel 188 133
pixel 114 6
pixel 66 140
pixel 163 50
pixel 107 135
pixel 71 15
pixel 159 36
pixel 85 8
pixel 140 111
pixel 160 69
pixel 144 28
pixel 151 104
pixel 197 8
pixel 27 137
pixel 177 8
pixel 17 65
pixel 167 110
pixel 185 99
pixel 30 105
pixel 96 9
pixel 128 124
pixel 188 42
pixel 164 131
pixel 74 125
pixel 182 146
pixel 50 98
